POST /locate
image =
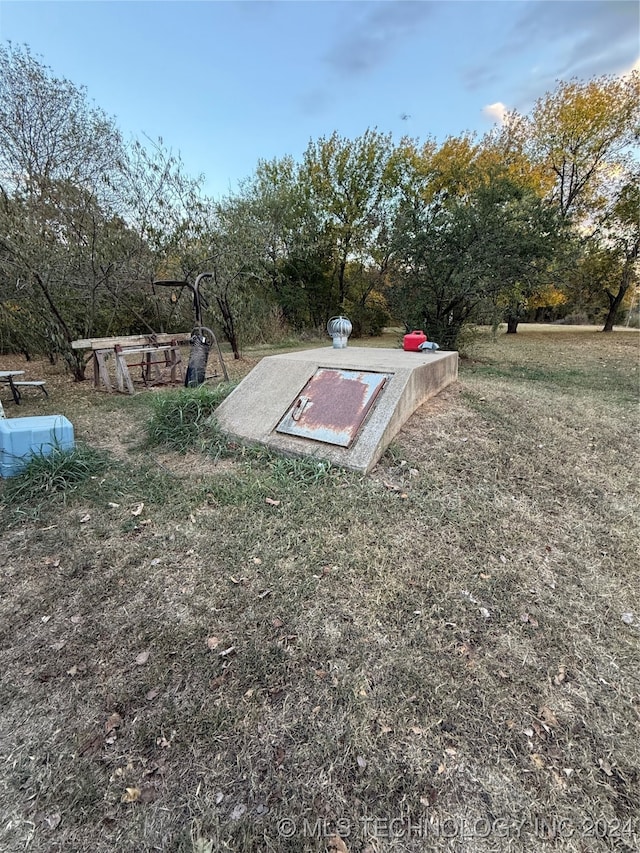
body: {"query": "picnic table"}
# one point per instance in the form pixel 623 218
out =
pixel 7 377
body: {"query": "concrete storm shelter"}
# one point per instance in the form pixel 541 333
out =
pixel 340 405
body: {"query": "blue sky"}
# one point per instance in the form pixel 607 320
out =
pixel 229 83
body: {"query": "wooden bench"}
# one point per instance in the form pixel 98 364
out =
pixel 35 383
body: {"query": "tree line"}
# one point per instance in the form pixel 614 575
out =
pixel 539 217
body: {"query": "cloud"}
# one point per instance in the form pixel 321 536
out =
pixel 496 112
pixel 380 31
pixel 567 38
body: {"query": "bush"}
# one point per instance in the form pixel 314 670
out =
pixel 181 419
pixel 58 472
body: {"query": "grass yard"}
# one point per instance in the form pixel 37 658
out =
pixel 215 649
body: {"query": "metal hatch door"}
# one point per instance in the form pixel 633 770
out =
pixel 333 405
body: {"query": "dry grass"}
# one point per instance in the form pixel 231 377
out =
pixel 441 656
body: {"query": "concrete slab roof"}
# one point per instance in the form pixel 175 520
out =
pixel 253 411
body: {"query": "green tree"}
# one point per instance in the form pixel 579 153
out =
pixel 468 230
pixel 350 189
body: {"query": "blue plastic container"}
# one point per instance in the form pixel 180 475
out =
pixel 21 438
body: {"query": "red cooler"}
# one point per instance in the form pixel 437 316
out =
pixel 412 341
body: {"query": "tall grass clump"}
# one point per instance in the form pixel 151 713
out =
pixel 60 471
pixel 181 419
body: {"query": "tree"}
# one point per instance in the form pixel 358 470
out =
pixel 608 265
pixel 350 190
pixel 466 232
pixel 56 153
pixel 579 132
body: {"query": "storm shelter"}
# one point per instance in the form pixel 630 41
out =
pixel 341 405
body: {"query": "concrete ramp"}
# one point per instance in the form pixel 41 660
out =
pixel 339 405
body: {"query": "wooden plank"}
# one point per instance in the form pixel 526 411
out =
pixel 141 350
pixel 131 340
pixel 102 369
pixel 124 373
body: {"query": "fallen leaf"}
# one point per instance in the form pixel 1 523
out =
pixel 76 620
pixel 212 643
pixel 45 619
pixel 560 677
pixel 52 562
pixel 391 487
pixel 155 561
pixel 628 618
pixel 257 561
pixel 219 798
pixel 142 658
pixel 503 559
pixel 59 645
pixel 238 811
pixel 152 694
pixel 53 820
pixel 114 722
pixel 226 652
pixel 537 760
pixel 113 505
pixel 138 509
pixel 271 502
pixel 605 766
pixel 131 795
pixel 485 613
pixel 85 518
pixel 73 671
pixel 277 622
pixel 279 755
pixel 336 844
pixel 547 716
pixel 362 762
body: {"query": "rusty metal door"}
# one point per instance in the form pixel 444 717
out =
pixel 333 405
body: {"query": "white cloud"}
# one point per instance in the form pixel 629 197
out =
pixel 496 112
